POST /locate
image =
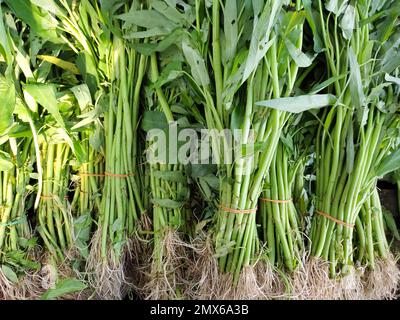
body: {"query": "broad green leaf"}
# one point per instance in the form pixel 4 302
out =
pixel 171 72
pixel 332 6
pixel 78 150
pixel 63 287
pixel 172 38
pixel 168 203
pixel 302 60
pixel 320 86
pixel 88 70
pixel 45 95
pixel 82 94
pixel 212 180
pixel 170 12
pixel 173 176
pixel 4 46
pixel 230 30
pixel 314 22
pixel 153 32
pixel 205 188
pixel 300 103
pixel 23 63
pixel 202 170
pixel 148 19
pixel 5 162
pixel 7 98
pixel 348 21
pixel 88 118
pixel 237 117
pixel 117 225
pixel 154 120
pixel 260 38
pixel 196 63
pixel 391 58
pixel 48 5
pixel 356 87
pixel 21 110
pixel 69 66
pixel 40 21
pixel 386 28
pixel 9 273
pixel 389 163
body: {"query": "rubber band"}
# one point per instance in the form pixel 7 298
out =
pixel 46 197
pixel 106 174
pixel 328 216
pixel 117 175
pixel 245 211
pixel 275 201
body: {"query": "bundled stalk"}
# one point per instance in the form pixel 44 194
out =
pixel 349 143
pixel 112 73
pixel 228 93
pixel 169 194
pixel 17 244
pixel 56 143
pixel 241 77
pixel 121 204
pixel 382 277
pixel 283 206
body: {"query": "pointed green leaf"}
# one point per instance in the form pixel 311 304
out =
pixel 300 103
pixel 7 98
pixel 196 63
pixel 45 95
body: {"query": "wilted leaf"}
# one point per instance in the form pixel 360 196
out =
pixel 69 66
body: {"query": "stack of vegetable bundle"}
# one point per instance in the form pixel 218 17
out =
pixel 351 144
pixel 106 189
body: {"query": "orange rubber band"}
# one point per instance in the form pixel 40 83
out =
pixel 245 211
pixel 47 197
pixel 275 201
pixel 328 216
pixel 117 175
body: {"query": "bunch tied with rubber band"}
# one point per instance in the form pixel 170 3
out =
pixel 198 149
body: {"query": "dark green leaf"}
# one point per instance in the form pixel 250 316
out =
pixel 168 203
pixel 154 120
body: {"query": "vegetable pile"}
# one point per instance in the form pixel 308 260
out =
pixel 106 191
